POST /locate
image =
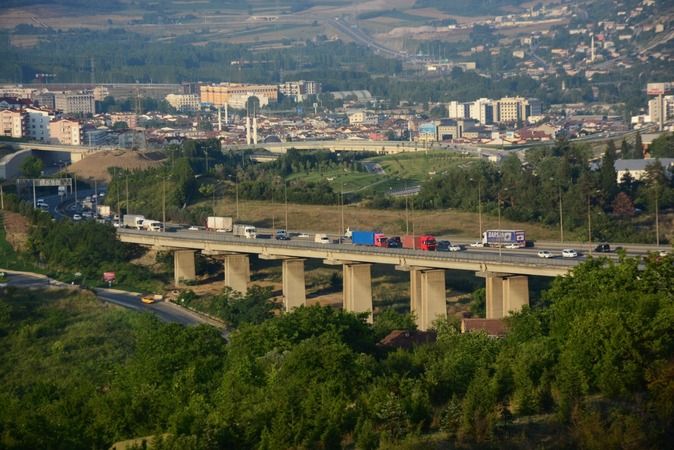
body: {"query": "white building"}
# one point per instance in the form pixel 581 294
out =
pixel 299 90
pixel 637 167
pixel 183 102
pixel 37 124
pixel 74 102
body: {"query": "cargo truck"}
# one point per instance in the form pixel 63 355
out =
pixel 247 231
pixel 369 238
pixel 103 210
pixel 219 223
pixel 133 221
pixel 153 225
pixel 424 242
pixel 501 238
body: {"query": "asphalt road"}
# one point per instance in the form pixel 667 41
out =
pixel 165 311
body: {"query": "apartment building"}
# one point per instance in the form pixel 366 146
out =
pixel 299 90
pixel 220 94
pixel 65 131
pixel 183 102
pixel 12 123
pixel 74 102
pixel 667 108
pixel 37 124
pixel 515 109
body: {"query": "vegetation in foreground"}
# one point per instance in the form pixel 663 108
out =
pixel 595 362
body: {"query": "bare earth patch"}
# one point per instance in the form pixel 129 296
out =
pixel 96 165
pixel 16 230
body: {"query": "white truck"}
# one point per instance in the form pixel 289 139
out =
pixel 133 221
pixel 103 210
pixel 153 225
pixel 219 223
pixel 247 231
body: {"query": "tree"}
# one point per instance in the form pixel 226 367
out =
pixel 32 167
pixel 662 147
pixel 623 206
pixel 120 125
pixel 625 152
pixel 638 147
pixel 607 173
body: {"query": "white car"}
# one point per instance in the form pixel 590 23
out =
pixel 478 244
pixel 544 254
pixel 221 230
pixel 77 217
pixel 193 228
pixel 512 245
pixel 303 235
pixel 455 248
pixel 569 253
pixel 663 253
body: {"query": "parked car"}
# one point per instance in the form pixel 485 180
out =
pixel 442 246
pixel 77 217
pixel 544 254
pixel 151 298
pixel 569 253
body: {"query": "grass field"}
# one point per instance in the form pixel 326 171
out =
pixel 327 218
pixel 400 171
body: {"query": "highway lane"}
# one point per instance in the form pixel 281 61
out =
pixel 165 311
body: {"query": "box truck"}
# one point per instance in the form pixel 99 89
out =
pixel 247 231
pixel 498 238
pixel 424 242
pixel 219 223
pixel 133 221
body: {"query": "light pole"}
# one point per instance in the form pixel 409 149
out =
pixel 285 200
pixel 657 219
pixel 163 204
pixel 341 207
pixel 561 212
pixel 273 211
pixel 589 219
pixel 479 204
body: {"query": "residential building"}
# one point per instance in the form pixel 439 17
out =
pixel 14 102
pixel 45 100
pixel 239 101
pixel 363 118
pixel 12 123
pixel 183 102
pixel 130 119
pixel 74 102
pixel 220 94
pixel 65 131
pixel 457 110
pixel 299 90
pixel 515 109
pixel 668 108
pixel 481 110
pixel 637 167
pixel 37 124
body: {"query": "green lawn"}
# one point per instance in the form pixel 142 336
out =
pixel 401 170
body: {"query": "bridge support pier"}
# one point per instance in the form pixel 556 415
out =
pixel 183 266
pixel 237 272
pixel 357 291
pixel 294 290
pixel 506 294
pixel 427 296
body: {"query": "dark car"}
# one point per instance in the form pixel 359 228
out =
pixel 603 248
pixel 394 242
pixel 442 246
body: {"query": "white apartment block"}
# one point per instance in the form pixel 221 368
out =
pixel 183 102
pixel 654 108
pixel 74 102
pixel 12 123
pixel 299 90
pixel 65 131
pixel 37 124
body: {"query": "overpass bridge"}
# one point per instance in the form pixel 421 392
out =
pixel 506 274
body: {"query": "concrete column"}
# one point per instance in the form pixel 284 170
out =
pixel 357 290
pixel 515 294
pixel 428 299
pixel 183 266
pixel 415 293
pixel 494 297
pixel 237 272
pixel 294 293
pixel 433 298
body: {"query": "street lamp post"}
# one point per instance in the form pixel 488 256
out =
pixel 341 206
pixel 285 200
pixel 163 204
pixel 479 204
pixel 500 235
pixel 657 219
pixel 561 211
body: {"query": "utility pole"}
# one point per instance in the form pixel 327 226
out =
pixel 127 194
pixel 163 204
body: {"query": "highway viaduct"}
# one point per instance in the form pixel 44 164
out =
pixel 507 284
